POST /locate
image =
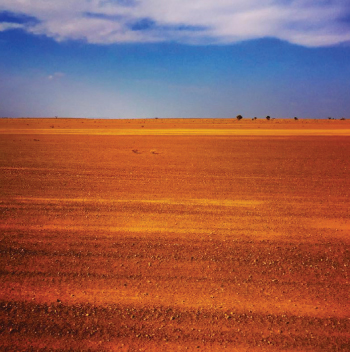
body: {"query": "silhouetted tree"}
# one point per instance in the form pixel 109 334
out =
pixel 239 117
pixel 268 117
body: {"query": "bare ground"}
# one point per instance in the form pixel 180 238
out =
pixel 174 236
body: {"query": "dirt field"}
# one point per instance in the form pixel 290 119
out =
pixel 174 235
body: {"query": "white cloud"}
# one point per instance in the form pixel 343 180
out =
pixel 304 22
pixel 5 26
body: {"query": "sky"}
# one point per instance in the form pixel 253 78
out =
pixel 175 58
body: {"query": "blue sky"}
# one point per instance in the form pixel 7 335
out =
pixel 175 58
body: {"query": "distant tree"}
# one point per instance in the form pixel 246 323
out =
pixel 342 119
pixel 268 117
pixel 295 118
pixel 239 117
pixel 329 118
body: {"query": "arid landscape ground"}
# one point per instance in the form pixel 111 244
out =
pixel 174 235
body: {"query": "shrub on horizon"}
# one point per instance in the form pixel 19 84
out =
pixel 268 117
pixel 239 117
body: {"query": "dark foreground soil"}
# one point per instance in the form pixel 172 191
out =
pixel 112 242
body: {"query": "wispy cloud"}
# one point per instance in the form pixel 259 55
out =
pixel 5 26
pixel 56 75
pixel 303 22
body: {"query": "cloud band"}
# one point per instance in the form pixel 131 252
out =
pixel 302 22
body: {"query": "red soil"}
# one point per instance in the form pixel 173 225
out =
pixel 171 235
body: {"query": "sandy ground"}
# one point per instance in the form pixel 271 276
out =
pixel 174 235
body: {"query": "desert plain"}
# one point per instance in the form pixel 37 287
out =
pixel 174 235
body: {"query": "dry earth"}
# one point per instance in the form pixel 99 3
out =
pixel 174 235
